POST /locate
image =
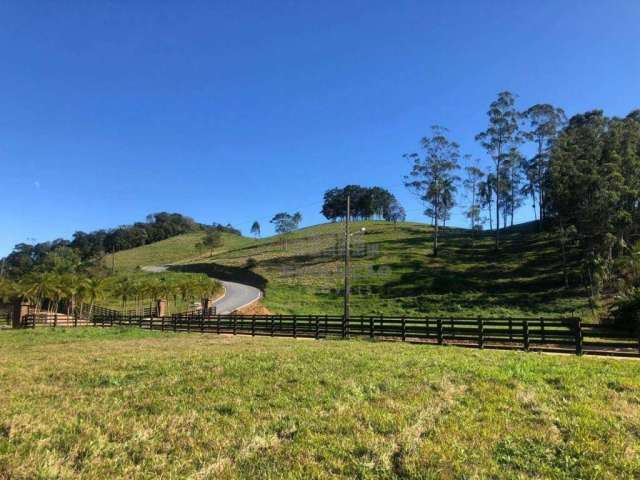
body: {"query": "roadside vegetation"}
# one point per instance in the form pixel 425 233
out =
pixel 118 403
pixel 74 293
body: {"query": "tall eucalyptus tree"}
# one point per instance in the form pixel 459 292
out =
pixel 499 137
pixel 433 178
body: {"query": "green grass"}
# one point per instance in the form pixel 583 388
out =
pixel 117 403
pixel 167 251
pixel 397 275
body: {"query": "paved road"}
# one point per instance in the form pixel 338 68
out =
pixel 236 295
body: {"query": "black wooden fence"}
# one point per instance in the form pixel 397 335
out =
pixel 542 334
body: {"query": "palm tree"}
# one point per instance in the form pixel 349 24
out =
pixel 43 286
pixel 152 289
pixel 123 290
pixel 69 286
pixel 93 291
pixel 8 290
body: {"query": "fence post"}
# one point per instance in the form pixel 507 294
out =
pixel 578 337
pixel 235 324
pixel 510 329
pixel 525 327
pixel 174 319
pixel 202 323
pixel 344 327
pixel 481 333
pixel 404 329
pixel 253 326
pixel 161 323
pixel 273 325
pixel 75 318
pixel 439 325
pixel 295 325
pixel 317 327
pixel 55 320
pixel 542 333
pixel 370 327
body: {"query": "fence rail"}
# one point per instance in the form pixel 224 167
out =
pixel 53 320
pixel 542 334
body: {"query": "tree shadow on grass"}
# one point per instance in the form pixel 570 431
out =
pixel 224 272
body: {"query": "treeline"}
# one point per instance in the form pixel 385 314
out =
pixel 366 203
pixel 66 291
pixel 159 226
pixel 593 184
pixel 89 247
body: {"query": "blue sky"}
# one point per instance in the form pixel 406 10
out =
pixel 233 111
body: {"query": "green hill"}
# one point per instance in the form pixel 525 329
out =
pixel 393 271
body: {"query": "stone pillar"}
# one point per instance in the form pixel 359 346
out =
pixel 161 307
pixel 206 302
pixel 21 308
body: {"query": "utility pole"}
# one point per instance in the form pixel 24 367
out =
pixel 347 235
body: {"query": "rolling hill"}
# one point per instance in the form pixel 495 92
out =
pixel 393 271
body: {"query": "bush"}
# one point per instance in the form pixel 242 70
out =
pixel 626 310
pixel 251 263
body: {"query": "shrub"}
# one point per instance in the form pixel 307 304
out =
pixel 626 309
pixel 251 263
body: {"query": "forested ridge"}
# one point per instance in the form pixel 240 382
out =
pixel 89 247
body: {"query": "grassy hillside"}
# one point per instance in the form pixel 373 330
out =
pixel 112 403
pixel 393 270
pixel 173 249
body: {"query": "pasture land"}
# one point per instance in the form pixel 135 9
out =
pixel 129 403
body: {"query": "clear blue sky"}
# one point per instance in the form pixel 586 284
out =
pixel 232 111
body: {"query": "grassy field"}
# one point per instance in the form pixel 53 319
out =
pixel 393 271
pixel 114 403
pixel 174 249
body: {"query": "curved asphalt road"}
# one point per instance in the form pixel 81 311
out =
pixel 237 295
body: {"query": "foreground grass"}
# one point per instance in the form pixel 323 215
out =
pixel 131 404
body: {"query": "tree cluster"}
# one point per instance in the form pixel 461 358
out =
pixel 56 292
pixel 593 192
pixel 89 247
pixel 366 203
pixel 497 193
